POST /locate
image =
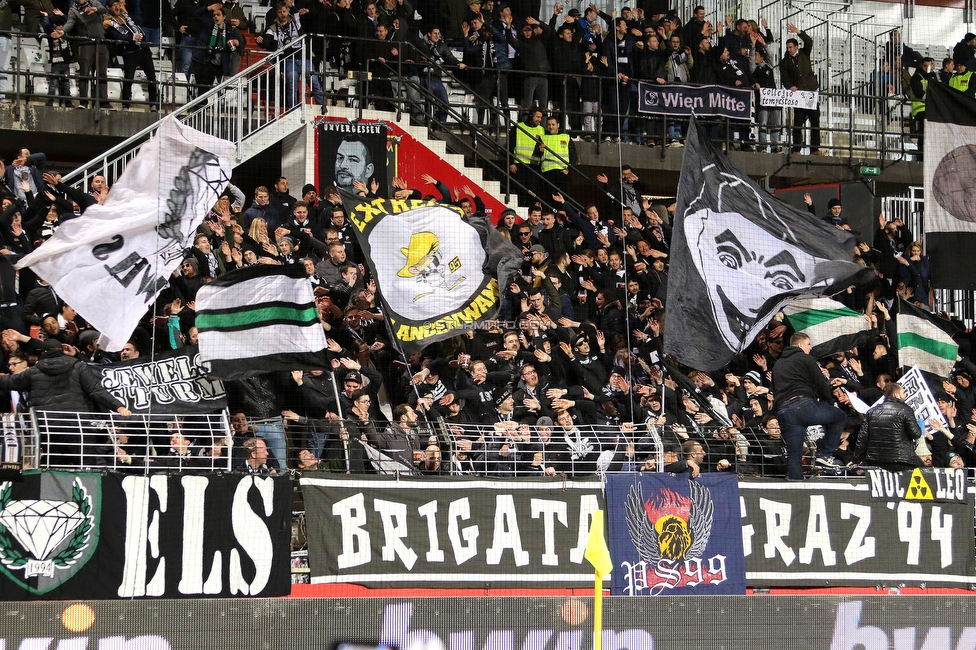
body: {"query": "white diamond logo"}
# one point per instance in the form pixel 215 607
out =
pixel 41 525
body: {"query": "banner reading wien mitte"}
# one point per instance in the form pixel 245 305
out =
pixel 436 270
pixel 703 101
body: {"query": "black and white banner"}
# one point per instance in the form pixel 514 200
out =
pixel 836 533
pixel 66 536
pixel 786 98
pixel 703 101
pixel 950 212
pixel 171 382
pixel 450 533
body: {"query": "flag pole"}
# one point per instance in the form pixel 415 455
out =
pixel 342 426
pixel 598 611
pixel 598 555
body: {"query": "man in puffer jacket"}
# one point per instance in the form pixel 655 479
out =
pixel 889 434
pixel 62 383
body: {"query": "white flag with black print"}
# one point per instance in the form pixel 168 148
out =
pixel 112 262
pixel 950 211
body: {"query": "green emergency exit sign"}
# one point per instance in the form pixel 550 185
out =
pixel 870 171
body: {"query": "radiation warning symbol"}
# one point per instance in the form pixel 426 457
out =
pixel 918 488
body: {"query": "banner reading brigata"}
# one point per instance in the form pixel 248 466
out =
pixel 170 382
pixel 834 533
pixel 381 532
pixel 703 101
pixel 80 535
pixel 672 536
pixel 436 270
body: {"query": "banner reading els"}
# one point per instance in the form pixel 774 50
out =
pixel 382 151
pixel 85 535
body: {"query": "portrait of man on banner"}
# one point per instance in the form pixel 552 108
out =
pixel 351 153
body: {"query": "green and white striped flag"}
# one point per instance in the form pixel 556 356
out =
pixel 259 319
pixel 924 340
pixel 831 325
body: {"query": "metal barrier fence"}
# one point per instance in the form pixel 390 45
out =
pixel 140 443
pixel 860 118
pixel 146 443
pixel 511 449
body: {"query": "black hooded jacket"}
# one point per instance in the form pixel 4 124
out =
pixel 61 383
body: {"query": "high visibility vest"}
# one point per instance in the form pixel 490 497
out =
pixel 525 141
pixel 918 103
pixel 960 81
pixel 556 145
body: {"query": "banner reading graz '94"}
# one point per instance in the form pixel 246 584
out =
pixel 450 533
pixel 436 270
pixel 703 101
pixel 170 382
pixel 836 532
pixel 67 535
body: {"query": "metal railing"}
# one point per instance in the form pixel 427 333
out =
pixel 860 118
pixel 140 443
pixel 511 448
pixel 237 109
pixel 167 442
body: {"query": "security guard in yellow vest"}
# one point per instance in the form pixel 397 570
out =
pixel 525 138
pixel 557 150
pixel 962 81
pixel 924 74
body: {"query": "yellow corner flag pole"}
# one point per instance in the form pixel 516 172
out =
pixel 599 556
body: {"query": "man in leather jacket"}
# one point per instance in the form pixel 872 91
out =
pixel 889 434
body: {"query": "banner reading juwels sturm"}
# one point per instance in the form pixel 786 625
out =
pixel 110 263
pixel 177 381
pixel 450 533
pixel 436 270
pixel 950 212
pixel 839 533
pixel 259 319
pixel 739 255
pixel 672 536
pixel 710 101
pixel 919 397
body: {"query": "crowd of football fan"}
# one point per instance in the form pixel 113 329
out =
pixel 584 61
pixel 570 378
